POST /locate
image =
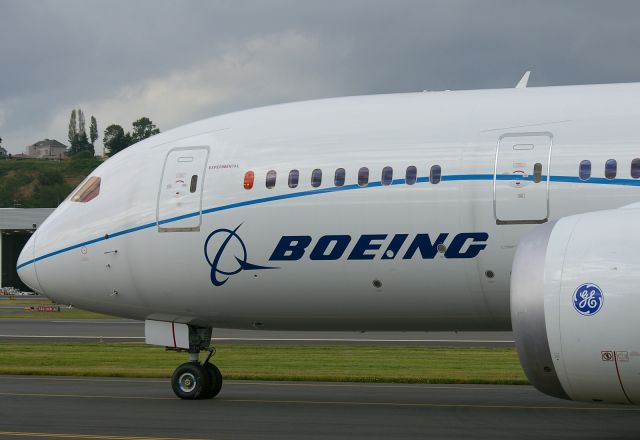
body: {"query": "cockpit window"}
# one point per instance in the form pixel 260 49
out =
pixel 88 191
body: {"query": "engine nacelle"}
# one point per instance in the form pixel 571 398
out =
pixel 575 306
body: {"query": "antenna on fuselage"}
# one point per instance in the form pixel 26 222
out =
pixel 522 84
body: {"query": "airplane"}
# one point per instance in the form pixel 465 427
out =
pixel 455 210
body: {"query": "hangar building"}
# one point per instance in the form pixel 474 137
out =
pixel 16 226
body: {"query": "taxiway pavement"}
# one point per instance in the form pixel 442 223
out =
pixel 127 409
pixel 127 331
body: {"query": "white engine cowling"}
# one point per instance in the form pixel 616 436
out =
pixel 575 306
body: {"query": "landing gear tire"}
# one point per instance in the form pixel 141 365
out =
pixel 215 381
pixel 191 381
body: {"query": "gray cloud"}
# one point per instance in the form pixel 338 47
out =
pixel 180 61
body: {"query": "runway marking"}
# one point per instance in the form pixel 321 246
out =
pixel 378 385
pixel 461 341
pixel 94 321
pixel 280 384
pixel 343 403
pixel 441 341
pixel 432 405
pixel 82 379
pixel 84 436
pixel 86 396
pixel 69 337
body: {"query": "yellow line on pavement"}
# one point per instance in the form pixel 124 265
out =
pixel 439 405
pixel 84 396
pixel 83 436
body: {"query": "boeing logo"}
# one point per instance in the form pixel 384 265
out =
pixel 382 246
pixel 230 255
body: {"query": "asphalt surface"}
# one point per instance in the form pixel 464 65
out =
pixel 45 407
pixel 127 331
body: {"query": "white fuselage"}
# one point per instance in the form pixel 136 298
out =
pixel 364 274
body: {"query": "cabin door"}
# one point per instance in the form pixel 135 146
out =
pixel 180 194
pixel 521 178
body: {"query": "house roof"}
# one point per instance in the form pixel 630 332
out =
pixel 49 143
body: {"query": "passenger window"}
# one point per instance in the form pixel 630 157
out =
pixel 294 177
pixel 585 170
pixel 411 175
pixel 271 179
pixel 635 168
pixel 610 169
pixel 88 191
pixel 194 183
pixel 316 177
pixel 537 172
pixel 338 180
pixel 363 176
pixel 435 174
pixel 387 176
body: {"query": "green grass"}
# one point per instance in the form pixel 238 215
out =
pixel 63 314
pixel 66 167
pixel 276 362
pixel 32 183
pixel 20 302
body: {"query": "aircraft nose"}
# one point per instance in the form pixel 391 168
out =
pixel 27 266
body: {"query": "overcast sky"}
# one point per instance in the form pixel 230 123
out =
pixel 179 61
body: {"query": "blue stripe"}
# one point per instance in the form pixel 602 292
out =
pixel 458 177
pixel 130 230
pixel 451 178
pixel 596 180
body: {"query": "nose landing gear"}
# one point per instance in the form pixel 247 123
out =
pixel 197 380
pixel 194 379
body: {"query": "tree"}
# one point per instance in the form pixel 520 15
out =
pixel 142 129
pixel 82 140
pixel 93 132
pixel 114 139
pixel 78 134
pixel 73 129
pixel 81 127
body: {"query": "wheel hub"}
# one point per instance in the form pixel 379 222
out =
pixel 187 382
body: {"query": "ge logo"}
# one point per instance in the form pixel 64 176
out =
pixel 588 299
pixel 226 254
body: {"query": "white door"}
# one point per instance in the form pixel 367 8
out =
pixel 521 178
pixel 180 195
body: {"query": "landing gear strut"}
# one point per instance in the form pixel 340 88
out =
pixel 194 379
pixel 197 380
